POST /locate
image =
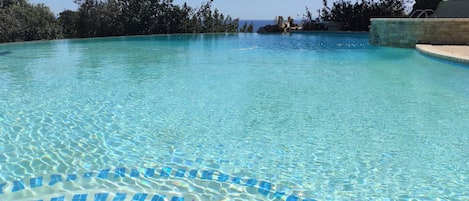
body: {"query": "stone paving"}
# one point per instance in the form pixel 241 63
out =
pixel 458 53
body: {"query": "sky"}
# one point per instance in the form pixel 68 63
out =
pixel 243 9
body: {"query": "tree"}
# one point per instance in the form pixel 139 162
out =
pixel 88 21
pixel 205 17
pixel 426 4
pixel 212 21
pixel 389 8
pixel 247 28
pixel 309 23
pixel 21 21
pixel 356 16
pixel 69 20
pixel 326 11
pixel 7 3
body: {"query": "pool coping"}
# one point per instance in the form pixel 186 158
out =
pixel 456 53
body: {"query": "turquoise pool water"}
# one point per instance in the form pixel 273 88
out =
pixel 319 116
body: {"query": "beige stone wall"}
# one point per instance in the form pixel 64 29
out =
pixel 406 32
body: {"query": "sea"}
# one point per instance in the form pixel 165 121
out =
pixel 257 23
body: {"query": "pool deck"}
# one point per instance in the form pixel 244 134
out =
pixel 458 53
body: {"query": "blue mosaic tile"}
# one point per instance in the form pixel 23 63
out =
pixel 279 195
pixel 79 197
pixel 149 172
pixel 71 177
pixel 177 199
pixel 87 175
pixel 236 180
pixel 1 187
pixel 18 185
pixel 223 177
pixel 193 174
pixel 134 173
pixel 180 173
pixel 139 197
pixel 293 198
pixel 165 172
pixel 119 197
pixel 61 198
pixel 103 173
pixel 119 172
pixel 208 175
pixel 158 198
pixel 264 188
pixel 55 178
pixel 251 182
pixel 101 196
pixel 35 182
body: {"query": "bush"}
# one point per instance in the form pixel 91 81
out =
pixel 21 21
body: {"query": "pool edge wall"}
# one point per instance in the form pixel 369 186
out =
pixel 407 32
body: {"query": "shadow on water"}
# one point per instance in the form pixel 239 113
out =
pixel 5 52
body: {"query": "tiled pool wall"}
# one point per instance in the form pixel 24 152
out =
pixel 406 32
pixel 263 188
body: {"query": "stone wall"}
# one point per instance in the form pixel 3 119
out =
pixel 406 32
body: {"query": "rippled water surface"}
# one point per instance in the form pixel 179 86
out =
pixel 323 116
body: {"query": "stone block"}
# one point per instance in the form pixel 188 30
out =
pixel 404 32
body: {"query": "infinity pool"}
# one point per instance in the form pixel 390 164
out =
pixel 231 117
